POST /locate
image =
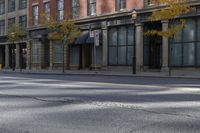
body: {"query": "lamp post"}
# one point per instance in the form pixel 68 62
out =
pixel 13 36
pixel 134 17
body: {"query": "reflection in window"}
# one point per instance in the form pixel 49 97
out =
pixel 60 10
pixel 58 53
pixel 75 8
pixel 184 48
pixel 35 15
pixel 92 7
pixel 121 45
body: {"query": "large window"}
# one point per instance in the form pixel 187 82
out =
pixel 35 15
pixel 58 52
pixel 35 52
pixel 22 4
pixel 2 27
pixel 47 10
pixel 184 47
pixel 23 21
pixel 91 7
pixel 120 4
pixel 2 6
pixel 11 22
pixel 11 5
pixel 121 45
pixel 60 9
pixel 75 8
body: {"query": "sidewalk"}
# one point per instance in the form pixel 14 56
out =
pixel 185 75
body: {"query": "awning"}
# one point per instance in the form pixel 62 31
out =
pixel 82 38
pixel 85 38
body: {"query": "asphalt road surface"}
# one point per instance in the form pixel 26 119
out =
pixel 98 104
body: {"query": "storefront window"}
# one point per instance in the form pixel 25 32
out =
pixel 185 49
pixel 176 58
pixel 121 45
pixel 35 52
pixel 58 53
pixel 75 55
pixel 189 31
pixel 188 54
pixel 198 54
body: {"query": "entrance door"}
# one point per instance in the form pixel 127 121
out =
pixel 152 47
pixel 85 57
pixel 155 56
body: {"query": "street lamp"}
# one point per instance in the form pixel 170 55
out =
pixel 13 36
pixel 134 17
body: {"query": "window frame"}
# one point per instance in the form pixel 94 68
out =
pixel 35 20
pixel 2 7
pixel 60 9
pixel 120 5
pixel 2 27
pixel 75 7
pixel 11 5
pixel 47 12
pixel 183 43
pixel 117 46
pixel 91 3
pixel 23 21
pixel 22 4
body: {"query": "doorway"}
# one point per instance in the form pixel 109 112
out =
pixel 152 47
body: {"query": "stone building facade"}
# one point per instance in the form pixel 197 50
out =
pixel 12 55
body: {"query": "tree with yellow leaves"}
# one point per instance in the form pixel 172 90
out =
pixel 16 33
pixel 64 31
pixel 170 10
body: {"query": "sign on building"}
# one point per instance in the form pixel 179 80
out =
pixel 91 34
pixel 96 38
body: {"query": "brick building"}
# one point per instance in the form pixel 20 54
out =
pixel 121 25
pixel 101 15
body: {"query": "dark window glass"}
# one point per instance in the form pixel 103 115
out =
pixel 198 53
pixel 121 45
pixel 58 53
pixel 23 21
pixel 2 27
pixel 75 55
pixel 22 4
pixel 184 48
pixel 2 6
pixel 120 4
pixel 75 8
pixel 11 23
pixel 11 5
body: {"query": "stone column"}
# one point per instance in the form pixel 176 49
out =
pixel 139 47
pixel 7 51
pixel 165 47
pixel 28 55
pixel 17 57
pixel 50 55
pixel 105 47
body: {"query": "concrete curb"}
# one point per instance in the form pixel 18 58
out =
pixel 102 74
